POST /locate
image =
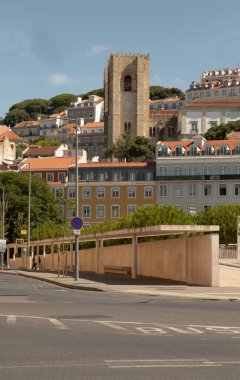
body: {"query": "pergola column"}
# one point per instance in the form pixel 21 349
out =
pixel 134 256
pixel 186 257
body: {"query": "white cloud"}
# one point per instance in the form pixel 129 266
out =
pixel 97 49
pixel 58 79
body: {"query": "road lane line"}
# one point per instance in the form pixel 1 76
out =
pixel 58 324
pixel 11 319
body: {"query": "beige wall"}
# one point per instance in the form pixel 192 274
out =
pixel 164 259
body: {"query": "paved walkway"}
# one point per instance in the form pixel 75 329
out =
pixel 229 288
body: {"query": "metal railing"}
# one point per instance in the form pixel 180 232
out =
pixel 229 253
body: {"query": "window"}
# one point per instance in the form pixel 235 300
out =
pixel 101 192
pixel 115 192
pixel 131 192
pixel 207 190
pixel 59 193
pixel 237 169
pixel 208 150
pixel 148 176
pixel 208 93
pixel 215 93
pixel 207 170
pixel 194 126
pixel 102 176
pixel 178 190
pixel 162 190
pixel 127 83
pixel 116 176
pixel 127 127
pixel 132 176
pixel 162 171
pixel 224 149
pixel 201 94
pixel 192 190
pixel 86 193
pixel 71 193
pixel 189 96
pixel 224 92
pixel 237 190
pixel 115 211
pixel 222 190
pixel 192 170
pixel 237 149
pixel 100 211
pixel 193 151
pixel 148 192
pixel 192 209
pixel 61 176
pixel 163 151
pixel 206 207
pixel 38 174
pixel 50 177
pixel 177 170
pixel 212 124
pixel 86 211
pixel 222 169
pixel 131 209
pixel 179 151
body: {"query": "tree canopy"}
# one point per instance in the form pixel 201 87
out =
pixel 16 116
pixel 220 132
pixel 159 92
pixel 44 207
pixel 131 148
pixel 60 102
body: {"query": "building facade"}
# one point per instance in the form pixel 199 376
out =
pixel 126 96
pixel 194 175
pixel 201 114
pixel 90 110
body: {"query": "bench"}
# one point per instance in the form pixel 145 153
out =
pixel 117 269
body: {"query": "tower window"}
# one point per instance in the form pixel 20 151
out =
pixel 127 127
pixel 127 83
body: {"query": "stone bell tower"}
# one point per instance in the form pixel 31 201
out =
pixel 126 96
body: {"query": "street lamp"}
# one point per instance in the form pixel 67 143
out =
pixel 76 206
pixel 3 222
pixel 29 209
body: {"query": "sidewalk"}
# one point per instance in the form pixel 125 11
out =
pixel 229 288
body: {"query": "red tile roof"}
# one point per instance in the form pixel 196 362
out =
pixel 116 164
pixel 25 124
pixel 218 102
pixel 41 150
pixel 99 124
pixel 48 163
pixel 13 137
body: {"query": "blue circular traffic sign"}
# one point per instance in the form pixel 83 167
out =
pixel 76 223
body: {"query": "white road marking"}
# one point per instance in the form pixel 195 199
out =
pixel 58 324
pixel 112 325
pixel 11 319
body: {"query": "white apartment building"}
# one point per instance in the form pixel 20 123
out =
pixel 91 109
pixel 201 114
pixel 165 104
pixel 221 83
pixel 194 175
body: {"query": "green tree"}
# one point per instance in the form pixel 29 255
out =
pixel 19 149
pixel 16 116
pixel 44 208
pixel 43 142
pixel 126 146
pixel 60 102
pixel 158 92
pixel 220 132
pixel 98 92
pixel 225 217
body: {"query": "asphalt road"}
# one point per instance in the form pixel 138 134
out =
pixel 48 332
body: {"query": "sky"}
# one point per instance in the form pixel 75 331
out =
pixel 50 47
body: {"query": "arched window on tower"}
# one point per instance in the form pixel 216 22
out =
pixel 127 83
pixel 127 127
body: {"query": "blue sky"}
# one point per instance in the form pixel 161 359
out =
pixel 50 47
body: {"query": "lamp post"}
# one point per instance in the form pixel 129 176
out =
pixel 3 222
pixel 29 210
pixel 76 206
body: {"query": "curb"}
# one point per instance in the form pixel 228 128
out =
pixel 69 286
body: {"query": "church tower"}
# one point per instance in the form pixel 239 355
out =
pixel 126 96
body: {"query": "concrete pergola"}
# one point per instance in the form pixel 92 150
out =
pixel 98 238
